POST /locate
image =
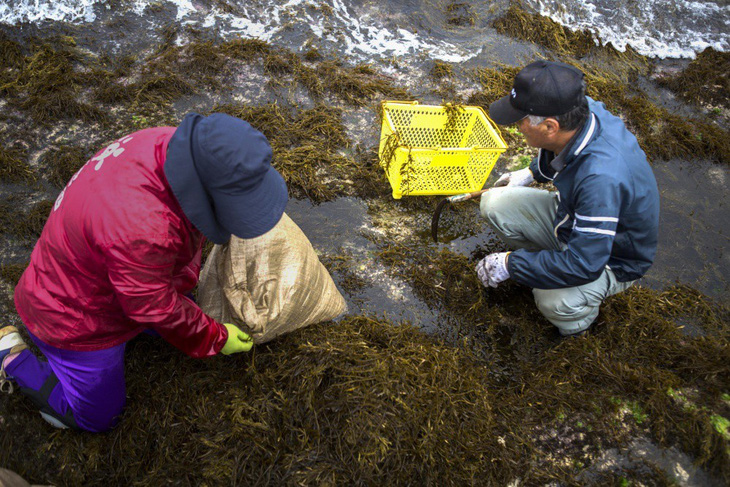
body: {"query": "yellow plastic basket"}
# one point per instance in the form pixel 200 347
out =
pixel 437 150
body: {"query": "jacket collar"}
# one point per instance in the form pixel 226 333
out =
pixel 576 144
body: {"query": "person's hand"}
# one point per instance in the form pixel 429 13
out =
pixel 522 177
pixel 492 269
pixel 238 341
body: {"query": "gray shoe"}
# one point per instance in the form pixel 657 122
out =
pixel 55 422
pixel 577 334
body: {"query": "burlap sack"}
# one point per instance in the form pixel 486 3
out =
pixel 12 479
pixel 269 285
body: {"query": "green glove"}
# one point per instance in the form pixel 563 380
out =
pixel 238 341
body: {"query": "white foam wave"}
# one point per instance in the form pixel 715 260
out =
pixel 359 35
pixel 19 11
pixel 655 28
pixel 184 7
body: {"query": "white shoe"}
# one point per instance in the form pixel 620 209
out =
pixel 10 343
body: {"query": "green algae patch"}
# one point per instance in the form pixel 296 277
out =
pixel 11 273
pixel 517 22
pixel 13 167
pixel 49 87
pixel 62 163
pixel 721 425
pixel 706 80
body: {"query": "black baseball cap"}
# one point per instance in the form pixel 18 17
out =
pixel 542 88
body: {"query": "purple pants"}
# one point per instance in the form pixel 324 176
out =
pixel 85 390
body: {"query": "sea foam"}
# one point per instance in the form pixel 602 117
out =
pixel 654 28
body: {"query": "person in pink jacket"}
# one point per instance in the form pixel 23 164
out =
pixel 120 254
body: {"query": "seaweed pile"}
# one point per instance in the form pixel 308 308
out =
pixel 704 81
pixel 308 146
pixel 491 398
pixel 13 167
pixel 364 401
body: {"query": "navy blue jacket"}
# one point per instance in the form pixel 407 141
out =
pixel 608 213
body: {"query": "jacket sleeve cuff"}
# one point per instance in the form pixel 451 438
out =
pixel 222 337
pixel 513 266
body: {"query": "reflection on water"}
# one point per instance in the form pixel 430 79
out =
pixel 338 227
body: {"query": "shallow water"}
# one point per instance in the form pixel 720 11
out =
pixel 339 227
pixel 654 28
pixel 694 230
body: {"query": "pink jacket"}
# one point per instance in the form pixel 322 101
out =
pixel 116 256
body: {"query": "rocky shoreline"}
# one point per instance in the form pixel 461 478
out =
pixel 486 397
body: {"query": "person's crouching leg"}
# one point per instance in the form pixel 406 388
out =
pixel 80 390
pixel 573 310
pixel 522 217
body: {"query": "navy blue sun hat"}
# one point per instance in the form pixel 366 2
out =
pixel 219 168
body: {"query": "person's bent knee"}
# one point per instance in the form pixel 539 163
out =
pixel 492 203
pixel 566 309
pixel 101 422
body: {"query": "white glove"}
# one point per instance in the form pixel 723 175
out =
pixel 492 269
pixel 523 177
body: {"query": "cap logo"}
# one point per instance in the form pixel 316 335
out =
pixel 513 93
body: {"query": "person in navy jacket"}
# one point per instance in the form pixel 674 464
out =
pixel 594 236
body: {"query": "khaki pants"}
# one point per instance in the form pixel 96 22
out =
pixel 523 218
